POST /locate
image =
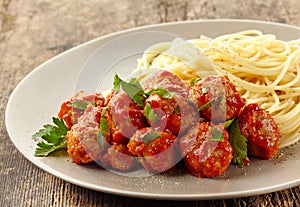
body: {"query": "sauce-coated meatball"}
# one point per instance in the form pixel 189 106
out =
pixel 166 80
pixel 261 131
pixel 175 114
pixel 216 98
pixel 157 151
pixel 70 114
pixel 125 117
pixel 206 150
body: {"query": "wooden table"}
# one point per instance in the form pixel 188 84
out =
pixel 33 31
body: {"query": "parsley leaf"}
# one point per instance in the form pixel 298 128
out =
pixel 150 136
pixel 216 134
pixel 206 105
pixel 54 137
pixel 150 114
pixel 162 92
pixel 117 83
pixel 228 123
pixel 238 142
pixel 194 80
pixel 103 130
pixel 104 127
pixel 136 92
pixel 209 103
pixel 81 104
pixel 177 110
pixel 133 88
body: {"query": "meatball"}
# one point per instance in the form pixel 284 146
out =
pixel 206 150
pixel 76 150
pixel 166 80
pixel 216 98
pixel 261 131
pixel 175 114
pixel 82 143
pixel 157 151
pixel 124 117
pixel 70 113
pixel 118 157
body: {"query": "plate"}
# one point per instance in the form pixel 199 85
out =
pixel 38 97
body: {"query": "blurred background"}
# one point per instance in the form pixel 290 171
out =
pixel 32 31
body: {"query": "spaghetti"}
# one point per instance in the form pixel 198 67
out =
pixel 265 70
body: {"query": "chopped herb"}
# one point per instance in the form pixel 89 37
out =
pixel 162 92
pixel 104 127
pixel 238 142
pixel 206 105
pixel 216 134
pixel 209 103
pixel 177 110
pixel 228 123
pixel 133 88
pixel 150 136
pixel 54 137
pixel 81 104
pixel 117 83
pixel 150 114
pixel 223 99
pixel 194 80
pixel 103 130
pixel 136 92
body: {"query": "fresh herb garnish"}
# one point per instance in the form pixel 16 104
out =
pixel 103 129
pixel 206 105
pixel 223 99
pixel 136 92
pixel 177 110
pixel 54 137
pixel 133 88
pixel 209 103
pixel 150 136
pixel 238 142
pixel 194 80
pixel 81 104
pixel 228 123
pixel 150 114
pixel 162 92
pixel 216 134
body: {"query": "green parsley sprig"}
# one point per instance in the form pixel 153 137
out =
pixel 209 103
pixel 162 92
pixel 81 104
pixel 136 92
pixel 194 80
pixel 238 142
pixel 53 136
pixel 104 129
pixel 216 134
pixel 150 114
pixel 133 88
pixel 148 137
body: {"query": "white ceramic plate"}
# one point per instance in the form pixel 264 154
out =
pixel 38 97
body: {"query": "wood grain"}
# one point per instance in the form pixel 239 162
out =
pixel 33 31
